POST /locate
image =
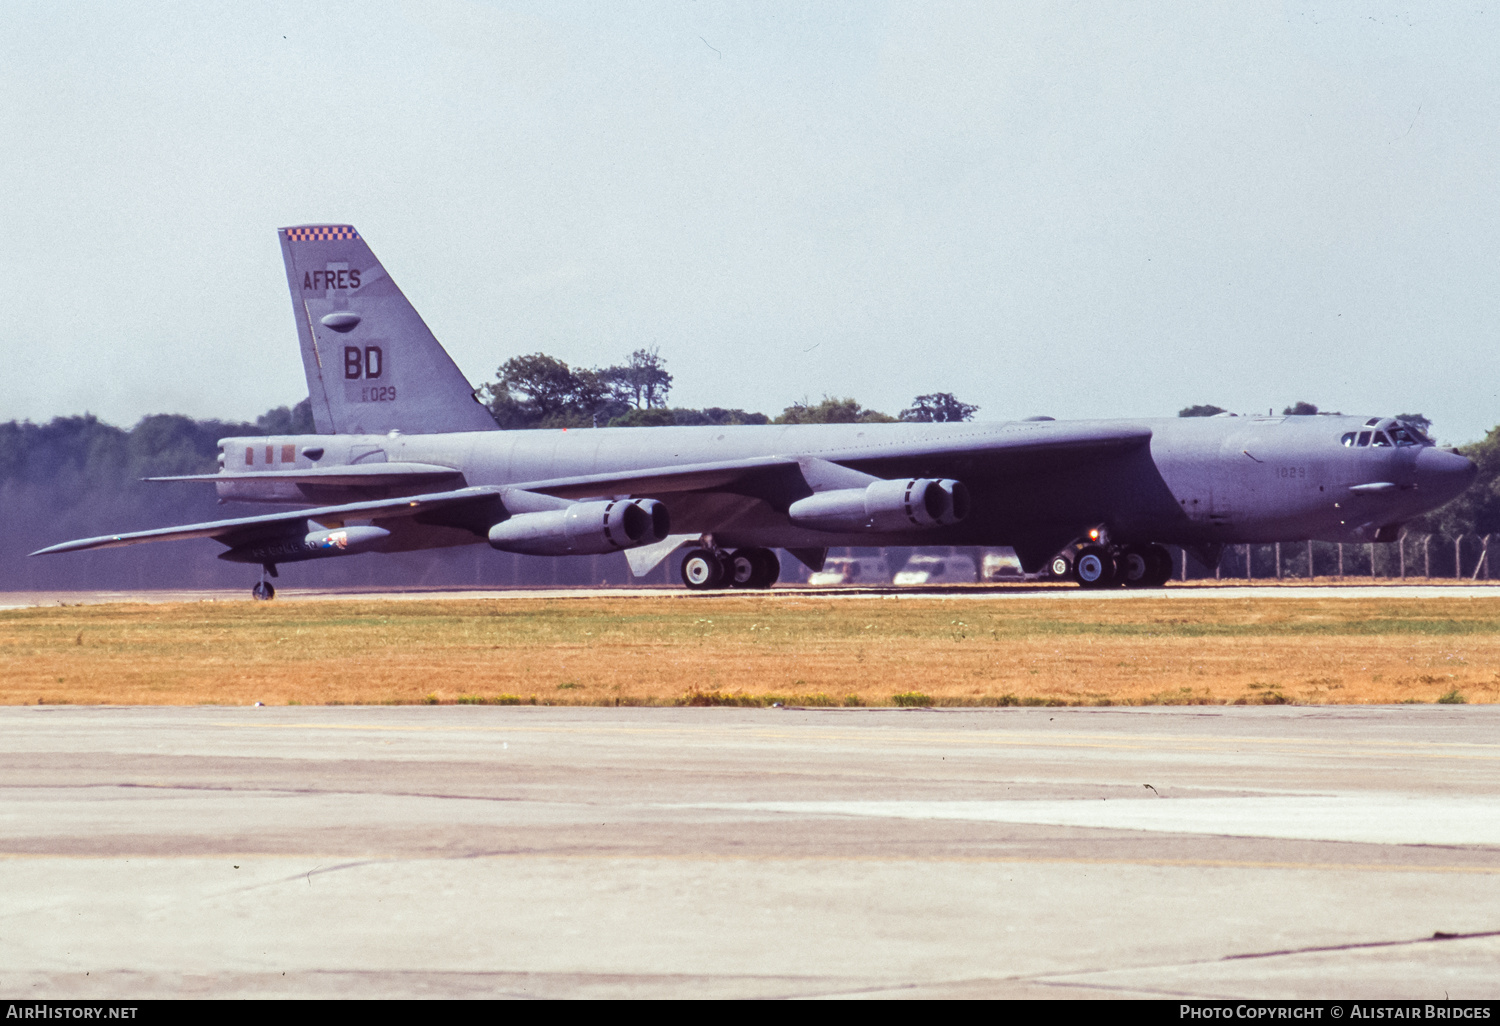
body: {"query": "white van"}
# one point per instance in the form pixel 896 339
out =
pixel 843 571
pixel 936 570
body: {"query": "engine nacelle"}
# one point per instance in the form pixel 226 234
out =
pixel 320 544
pixel 959 502
pixel 885 506
pixel 584 528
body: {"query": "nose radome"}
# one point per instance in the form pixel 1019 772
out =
pixel 1443 475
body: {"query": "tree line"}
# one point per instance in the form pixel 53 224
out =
pixel 541 391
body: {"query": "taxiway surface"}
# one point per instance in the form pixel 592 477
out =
pixel 470 851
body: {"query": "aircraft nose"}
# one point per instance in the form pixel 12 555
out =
pixel 1442 475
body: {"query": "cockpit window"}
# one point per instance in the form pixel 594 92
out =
pixel 1384 433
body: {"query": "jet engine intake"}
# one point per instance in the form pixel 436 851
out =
pixel 584 528
pixel 885 506
pixel 320 544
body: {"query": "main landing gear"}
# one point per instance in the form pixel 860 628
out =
pixel 703 569
pixel 1101 566
pixel 264 590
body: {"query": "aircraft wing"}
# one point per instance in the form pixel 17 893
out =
pixel 244 529
pixel 1003 450
pixel 1016 448
pixel 356 474
pixel 691 477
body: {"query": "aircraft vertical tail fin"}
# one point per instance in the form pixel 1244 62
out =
pixel 372 364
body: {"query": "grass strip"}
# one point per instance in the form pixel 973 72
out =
pixel 757 650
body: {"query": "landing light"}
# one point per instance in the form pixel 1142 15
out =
pixel 1094 534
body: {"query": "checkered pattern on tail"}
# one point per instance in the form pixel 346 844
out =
pixel 322 233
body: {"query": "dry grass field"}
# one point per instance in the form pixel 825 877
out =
pixel 788 647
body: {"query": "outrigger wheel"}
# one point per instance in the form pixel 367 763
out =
pixel 264 590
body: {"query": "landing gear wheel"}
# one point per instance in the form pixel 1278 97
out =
pixel 702 570
pixel 1161 565
pixel 752 568
pixel 767 568
pixel 1060 569
pixel 1136 566
pixel 1094 567
pixel 743 569
pixel 264 591
pixel 770 568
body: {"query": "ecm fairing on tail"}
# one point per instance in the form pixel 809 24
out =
pixel 406 458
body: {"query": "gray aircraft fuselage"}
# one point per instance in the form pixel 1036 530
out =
pixel 404 458
pixel 1195 482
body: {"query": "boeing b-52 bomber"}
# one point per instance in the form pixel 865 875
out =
pixel 406 458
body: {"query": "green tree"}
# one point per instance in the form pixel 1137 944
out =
pixel 715 416
pixel 75 477
pixel 831 411
pixel 1300 408
pixel 938 408
pixel 1201 411
pixel 644 418
pixel 539 391
pixel 282 420
pixel 643 382
pixel 718 416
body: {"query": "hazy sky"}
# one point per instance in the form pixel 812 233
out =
pixel 1077 209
